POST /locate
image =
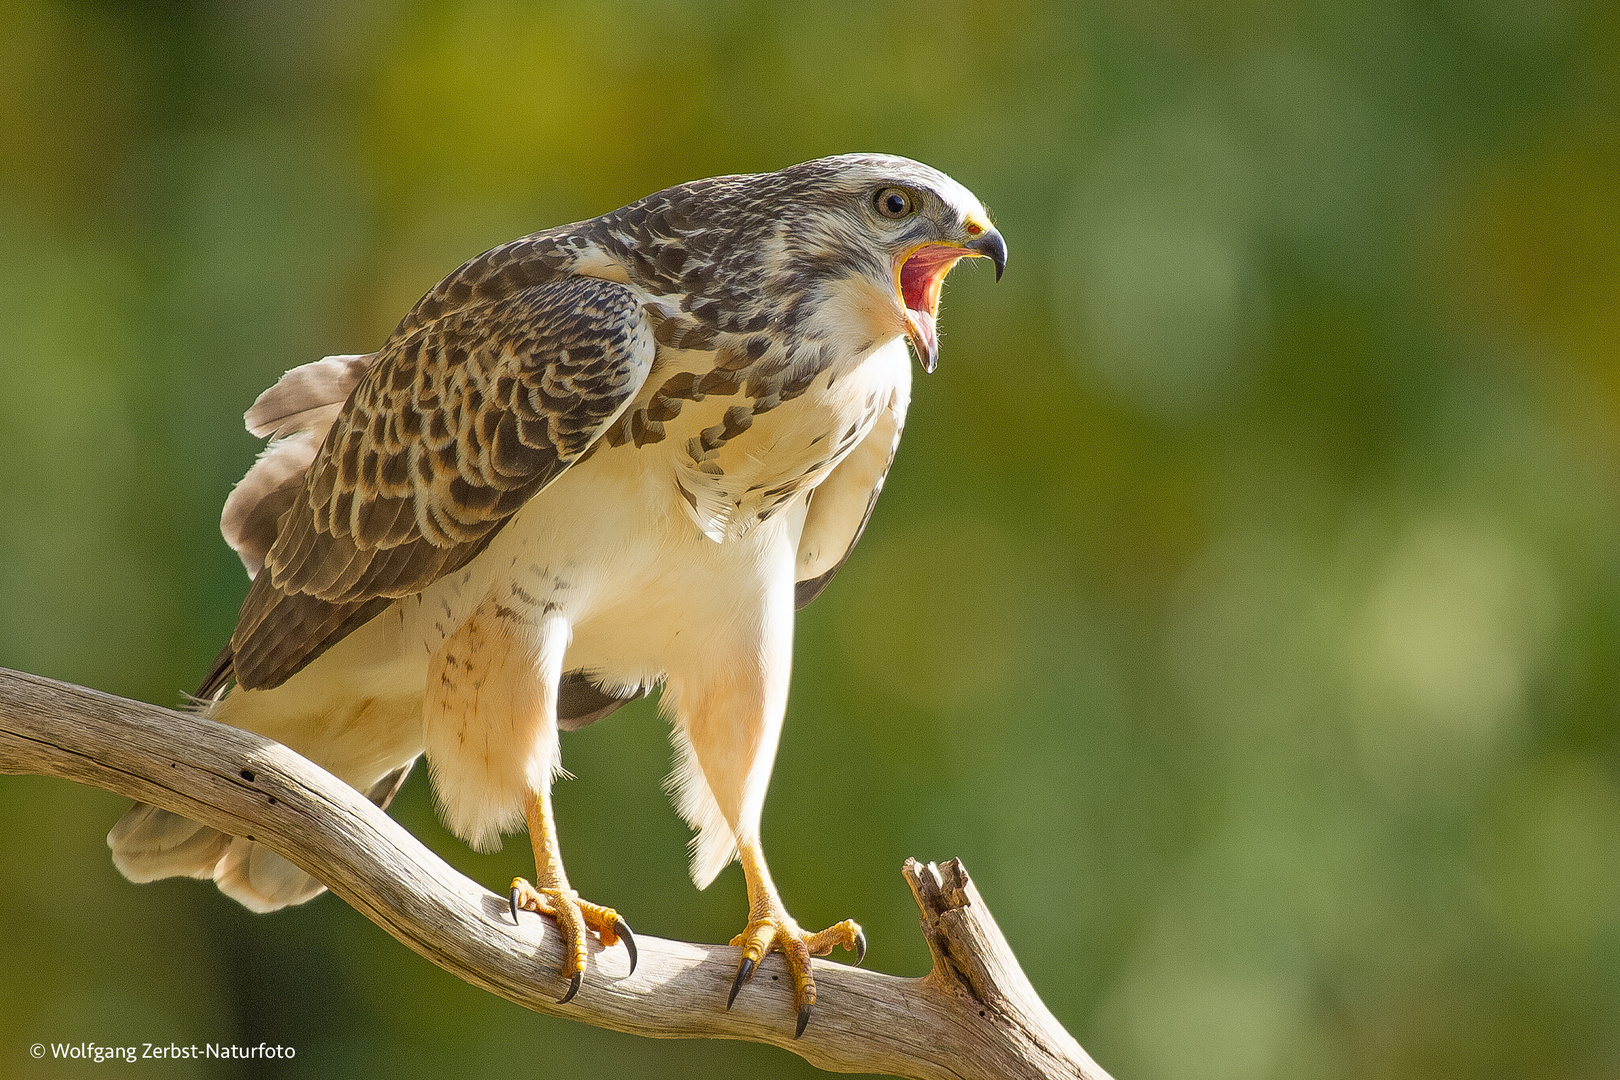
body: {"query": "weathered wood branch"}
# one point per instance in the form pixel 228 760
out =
pixel 974 1015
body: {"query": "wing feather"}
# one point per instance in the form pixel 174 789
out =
pixel 307 397
pixel 459 421
pixel 295 414
pixel 841 505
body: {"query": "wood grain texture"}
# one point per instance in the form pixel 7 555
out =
pixel 974 1015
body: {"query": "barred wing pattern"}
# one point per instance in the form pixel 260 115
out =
pixel 460 422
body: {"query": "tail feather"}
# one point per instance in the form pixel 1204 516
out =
pixel 261 880
pixel 295 414
pixel 149 843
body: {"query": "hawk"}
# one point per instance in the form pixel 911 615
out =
pixel 607 457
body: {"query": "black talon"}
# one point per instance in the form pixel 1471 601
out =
pixel 515 892
pixel 860 947
pixel 573 988
pixel 804 1020
pixel 622 928
pixel 745 971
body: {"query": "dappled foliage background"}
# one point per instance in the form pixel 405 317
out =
pixel 1243 607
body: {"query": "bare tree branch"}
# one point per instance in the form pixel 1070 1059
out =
pixel 974 1015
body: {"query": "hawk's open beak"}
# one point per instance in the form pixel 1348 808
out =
pixel 921 275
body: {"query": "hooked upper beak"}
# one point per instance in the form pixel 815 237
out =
pixel 922 271
pixel 990 244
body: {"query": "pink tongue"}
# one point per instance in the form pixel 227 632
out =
pixel 925 337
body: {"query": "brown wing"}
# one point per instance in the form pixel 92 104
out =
pixel 841 505
pixel 460 422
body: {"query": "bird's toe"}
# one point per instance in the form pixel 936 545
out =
pixel 575 919
pixel 779 933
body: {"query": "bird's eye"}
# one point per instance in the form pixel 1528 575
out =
pixel 893 202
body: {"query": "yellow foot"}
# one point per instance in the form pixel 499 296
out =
pixel 574 917
pixel 777 930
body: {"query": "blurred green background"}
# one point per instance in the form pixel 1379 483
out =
pixel 1243 607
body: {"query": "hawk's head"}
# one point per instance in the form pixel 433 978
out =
pixel 883 232
pixel 849 249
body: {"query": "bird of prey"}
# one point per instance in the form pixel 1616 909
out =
pixel 599 459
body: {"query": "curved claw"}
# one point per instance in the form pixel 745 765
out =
pixel 622 928
pixel 745 971
pixel 804 1020
pixel 573 988
pixel 515 892
pixel 860 947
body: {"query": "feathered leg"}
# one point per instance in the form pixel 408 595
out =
pixel 730 704
pixel 491 736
